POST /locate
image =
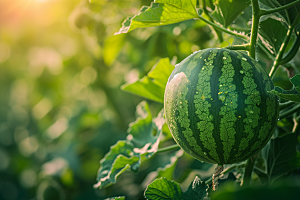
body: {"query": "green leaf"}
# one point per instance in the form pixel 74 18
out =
pixel 227 10
pixel 92 1
pixel 140 144
pixel 271 34
pixel 162 12
pixel 292 95
pixel 112 47
pixel 196 191
pixel 163 189
pixel 296 82
pixel 168 169
pixel 291 14
pixel 281 156
pixel 153 85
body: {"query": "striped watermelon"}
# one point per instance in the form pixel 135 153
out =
pixel 217 106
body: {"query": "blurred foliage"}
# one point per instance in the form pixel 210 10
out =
pixel 61 106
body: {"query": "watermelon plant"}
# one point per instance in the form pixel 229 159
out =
pixel 219 103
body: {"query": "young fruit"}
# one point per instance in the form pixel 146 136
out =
pixel 217 106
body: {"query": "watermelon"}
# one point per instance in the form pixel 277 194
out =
pixel 217 106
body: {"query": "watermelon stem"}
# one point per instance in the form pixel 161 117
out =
pixel 209 181
pixel 279 56
pixel 244 37
pixel 244 47
pixel 248 170
pixel 254 28
pixel 219 33
pixel 168 148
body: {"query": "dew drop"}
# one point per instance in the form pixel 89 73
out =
pixel 244 59
pixel 224 58
pixel 204 153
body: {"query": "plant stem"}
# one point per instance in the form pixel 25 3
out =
pixel 244 37
pixel 277 61
pixel 254 29
pixel 245 47
pixel 175 146
pixel 266 12
pixel 248 170
pixel 219 33
pixel 285 105
pixel 209 181
pixel 289 112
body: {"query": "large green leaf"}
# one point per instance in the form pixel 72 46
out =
pixel 168 170
pixel 140 144
pixel 292 95
pixel 163 189
pixel 289 15
pixel 281 156
pixel 227 10
pixel 153 85
pixel 196 191
pixel 272 34
pixel 162 12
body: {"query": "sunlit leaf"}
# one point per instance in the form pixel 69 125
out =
pixel 112 47
pixel 227 10
pixel 153 85
pixel 162 12
pixel 281 156
pixel 140 144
